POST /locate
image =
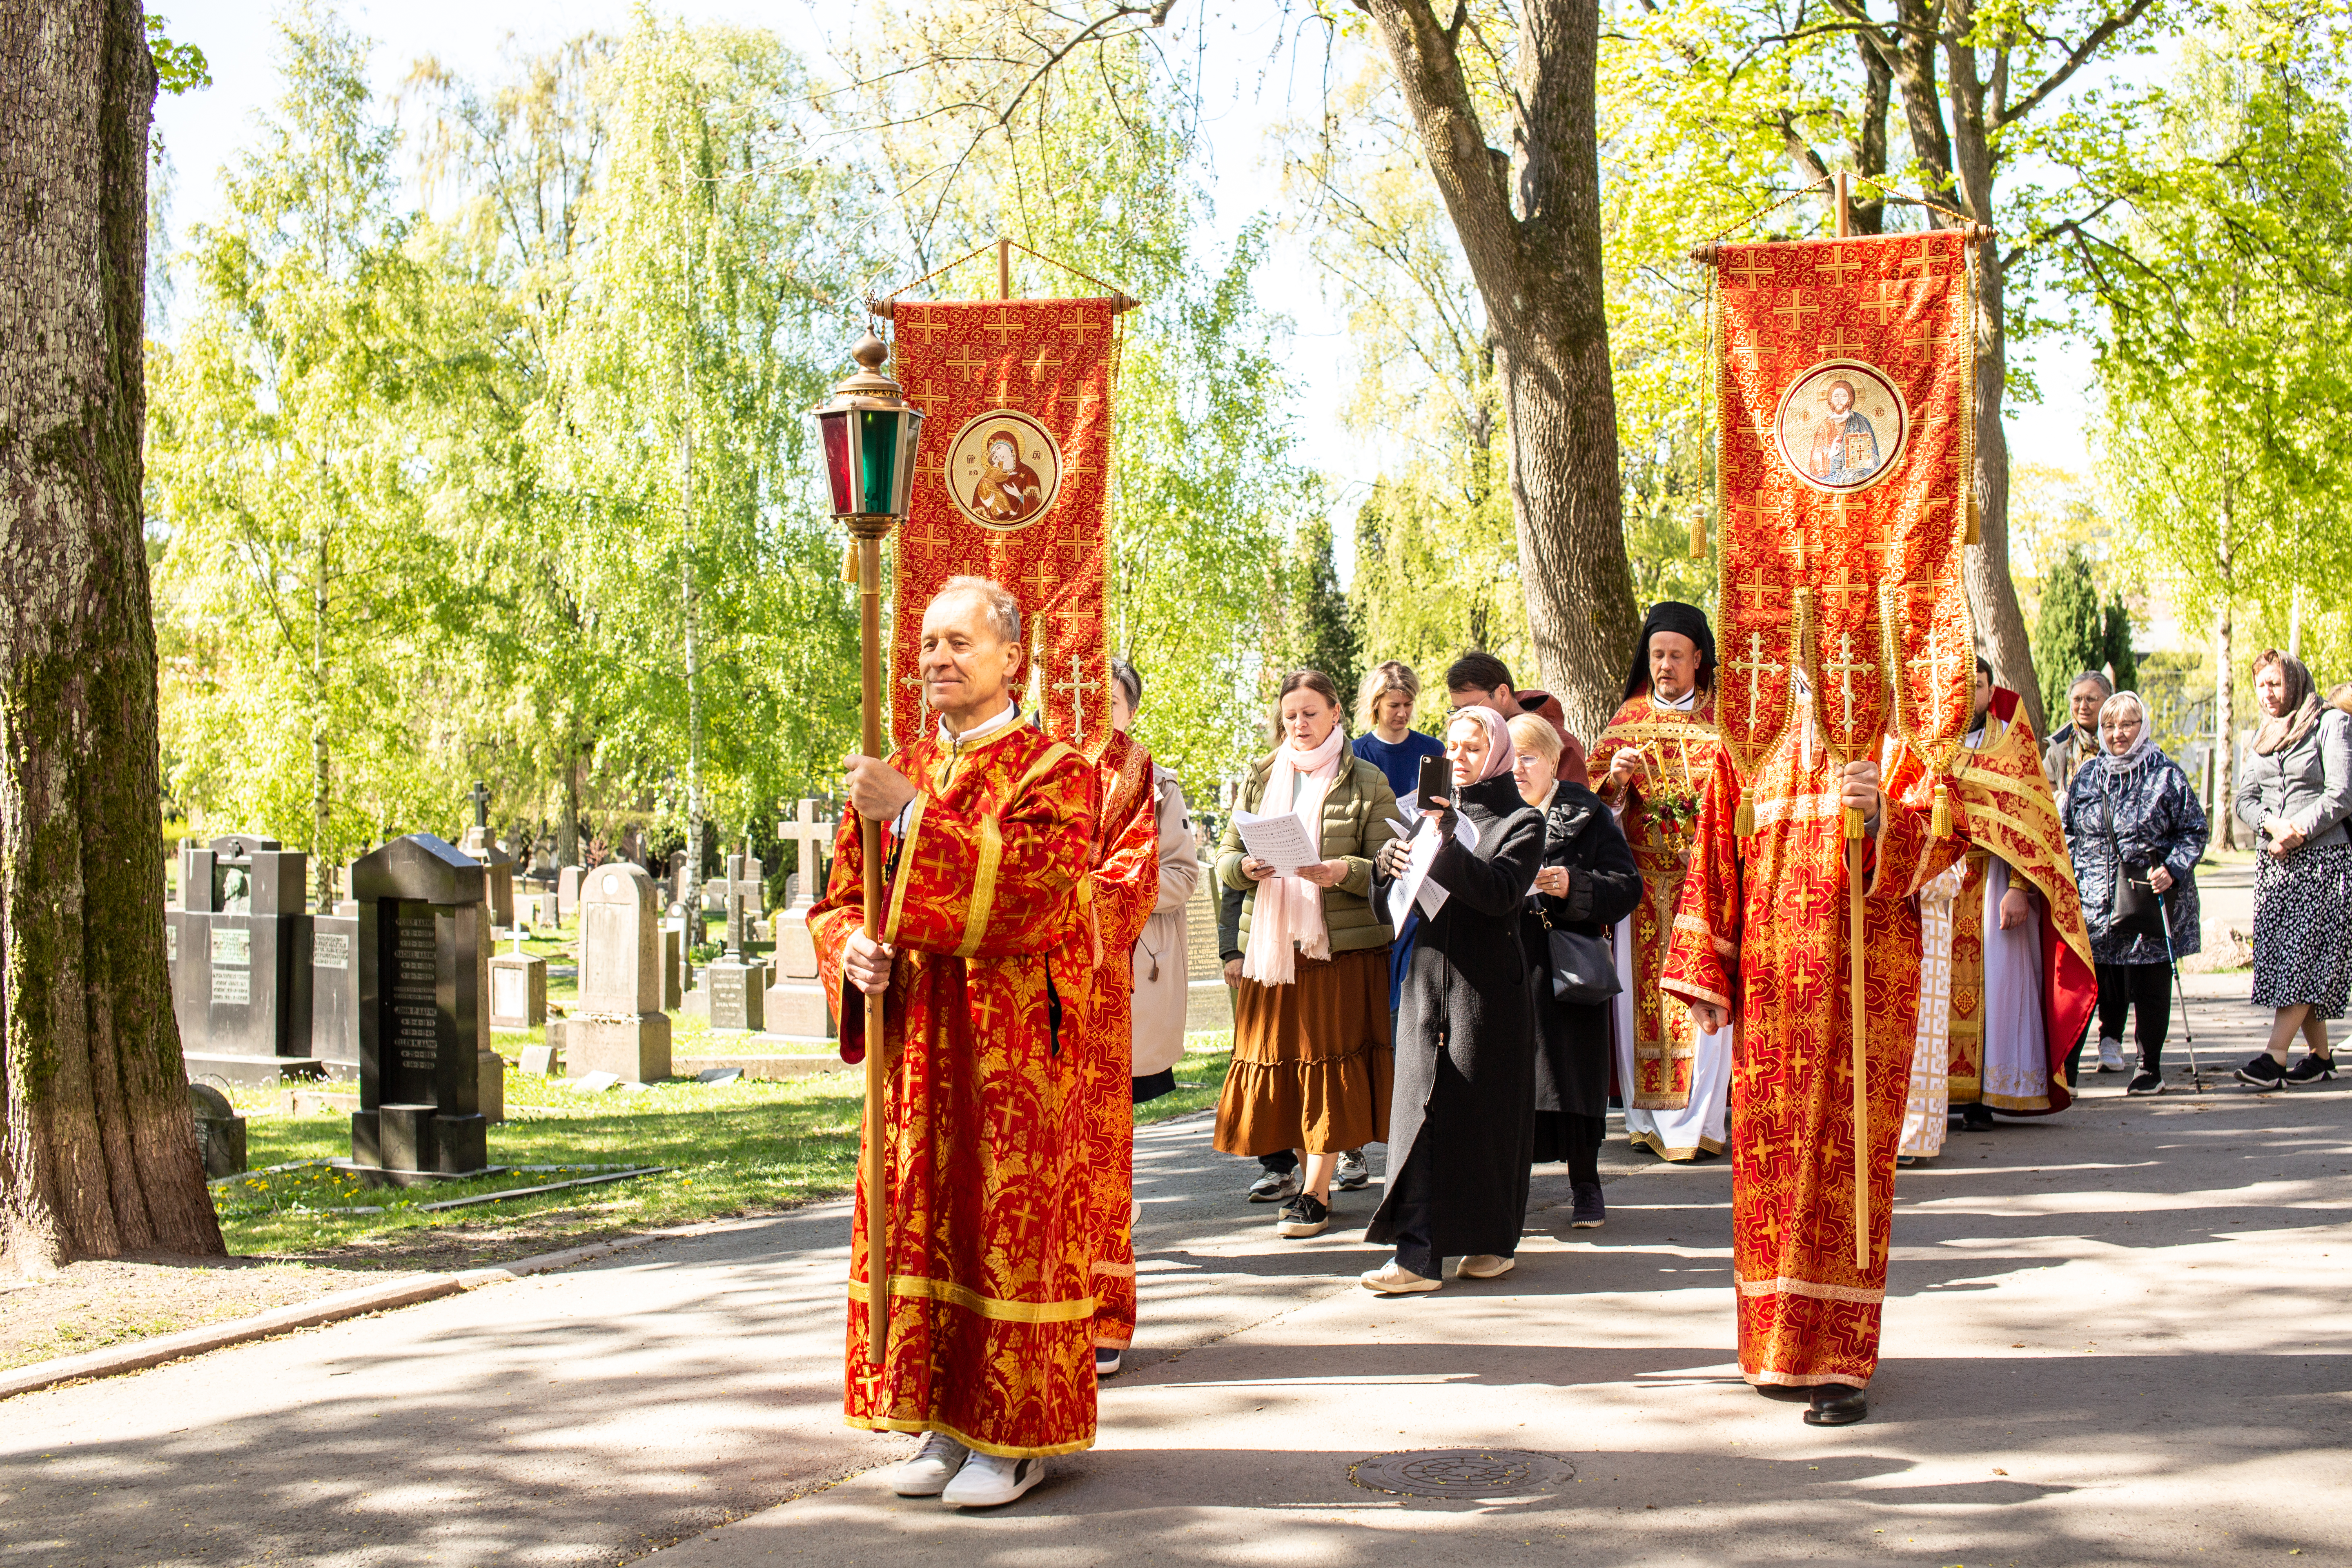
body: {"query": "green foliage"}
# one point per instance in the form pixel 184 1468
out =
pixel 1319 630
pixel 2115 635
pixel 2070 635
pixel 179 67
pixel 1434 581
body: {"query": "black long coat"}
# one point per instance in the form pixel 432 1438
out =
pixel 1571 1064
pixel 1464 1042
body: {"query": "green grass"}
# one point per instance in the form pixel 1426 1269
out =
pixel 747 1147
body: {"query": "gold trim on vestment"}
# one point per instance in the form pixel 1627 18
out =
pixel 1813 807
pixel 1784 1286
pixel 1798 1379
pixel 994 1450
pixel 1656 1145
pixel 1119 1270
pixel 906 867
pixel 983 886
pixel 970 1300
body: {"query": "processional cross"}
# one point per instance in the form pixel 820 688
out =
pixel 1756 666
pixel 1077 687
pixel 1845 669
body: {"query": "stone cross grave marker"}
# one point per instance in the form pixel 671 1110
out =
pixel 738 986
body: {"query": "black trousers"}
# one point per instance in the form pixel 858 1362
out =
pixel 1565 1135
pixel 2145 991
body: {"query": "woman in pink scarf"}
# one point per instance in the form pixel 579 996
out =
pixel 1311 1057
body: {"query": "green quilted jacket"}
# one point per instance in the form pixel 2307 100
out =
pixel 1357 817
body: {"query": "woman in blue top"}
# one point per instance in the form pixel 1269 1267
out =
pixel 1390 742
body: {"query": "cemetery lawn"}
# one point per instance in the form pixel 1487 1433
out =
pixel 745 1148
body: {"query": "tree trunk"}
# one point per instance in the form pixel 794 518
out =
pixel 2222 831
pixel 1530 229
pixel 97 1155
pixel 1991 590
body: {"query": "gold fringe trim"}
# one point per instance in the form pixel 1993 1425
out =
pixel 1784 1286
pixel 992 1306
pixel 1743 821
pixel 994 1450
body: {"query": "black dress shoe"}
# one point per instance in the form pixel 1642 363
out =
pixel 1976 1118
pixel 1836 1404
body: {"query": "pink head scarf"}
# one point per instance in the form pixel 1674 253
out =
pixel 1499 739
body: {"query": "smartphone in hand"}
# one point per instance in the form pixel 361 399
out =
pixel 1436 781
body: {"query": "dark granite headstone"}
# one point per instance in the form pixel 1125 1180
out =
pixel 424 1021
pixel 335 991
pixel 238 953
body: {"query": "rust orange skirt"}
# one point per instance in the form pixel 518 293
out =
pixel 1311 1060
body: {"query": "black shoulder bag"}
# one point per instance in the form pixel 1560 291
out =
pixel 1583 972
pixel 2136 912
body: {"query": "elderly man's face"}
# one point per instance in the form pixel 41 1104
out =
pixel 968 665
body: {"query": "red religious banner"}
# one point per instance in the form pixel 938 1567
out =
pixel 1847 380
pixel 1009 486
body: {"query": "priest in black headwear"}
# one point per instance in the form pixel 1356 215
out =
pixel 1651 763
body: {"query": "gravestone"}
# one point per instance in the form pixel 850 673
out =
pixel 567 892
pixel 335 990
pixel 619 1025
pixel 494 860
pixel 220 1130
pixel 238 950
pixel 518 990
pixel 797 1003
pixel 423 949
pixel 738 985
pixel 1208 1002
pixel 673 962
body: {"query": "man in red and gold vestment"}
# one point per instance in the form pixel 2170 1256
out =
pixel 1760 936
pixel 985 962
pixel 1121 888
pixel 2006 980
pixel 1653 761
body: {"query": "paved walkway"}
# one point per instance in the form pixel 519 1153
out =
pixel 2121 1336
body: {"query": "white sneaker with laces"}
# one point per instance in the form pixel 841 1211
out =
pixel 1486 1265
pixel 1394 1279
pixel 988 1482
pixel 2111 1056
pixel 935 1463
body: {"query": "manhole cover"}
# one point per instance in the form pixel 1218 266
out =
pixel 1461 1472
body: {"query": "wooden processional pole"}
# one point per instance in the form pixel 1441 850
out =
pixel 1840 197
pixel 869 533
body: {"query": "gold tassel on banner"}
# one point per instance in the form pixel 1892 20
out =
pixel 1976 523
pixel 1939 822
pixel 1698 537
pixel 1743 821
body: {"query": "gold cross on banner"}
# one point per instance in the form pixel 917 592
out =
pixel 1075 468
pixel 1039 581
pixel 1754 590
pixel 1075 689
pixel 1755 510
pixel 927 533
pixel 1845 669
pixel 1840 344
pixel 1889 301
pixel 1928 509
pixel 930 324
pixel 1750 269
pixel 1846 585
pixel 1758 666
pixel 1798 547
pixel 1068 396
pixel 1083 324
pixel 1839 266
pixel 1934 661
pixel 1794 312
pixel 967 361
pixel 1883 547
pixel 1046 359
pixel 1005 326
pixel 1922 337
pixel 1842 507
pixel 1923 264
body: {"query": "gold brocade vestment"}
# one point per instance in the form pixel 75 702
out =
pixel 990 1260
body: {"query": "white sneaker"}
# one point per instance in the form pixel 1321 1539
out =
pixel 1394 1279
pixel 2111 1056
pixel 934 1464
pixel 1486 1265
pixel 987 1481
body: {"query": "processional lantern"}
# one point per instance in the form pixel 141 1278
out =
pixel 868 431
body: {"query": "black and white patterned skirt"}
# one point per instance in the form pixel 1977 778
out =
pixel 2302 905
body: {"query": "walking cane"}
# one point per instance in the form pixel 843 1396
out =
pixel 2196 1074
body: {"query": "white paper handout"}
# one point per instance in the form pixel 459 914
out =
pixel 1279 839
pixel 1414 886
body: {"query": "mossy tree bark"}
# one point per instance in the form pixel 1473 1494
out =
pixel 97 1155
pixel 1530 223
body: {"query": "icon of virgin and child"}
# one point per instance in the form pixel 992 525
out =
pixel 1008 489
pixel 1844 445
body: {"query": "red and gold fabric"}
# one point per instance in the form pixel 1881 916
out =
pixel 1660 816
pixel 1123 888
pixel 1761 931
pixel 1846 381
pixel 989 1257
pixel 2003 807
pixel 1010 485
